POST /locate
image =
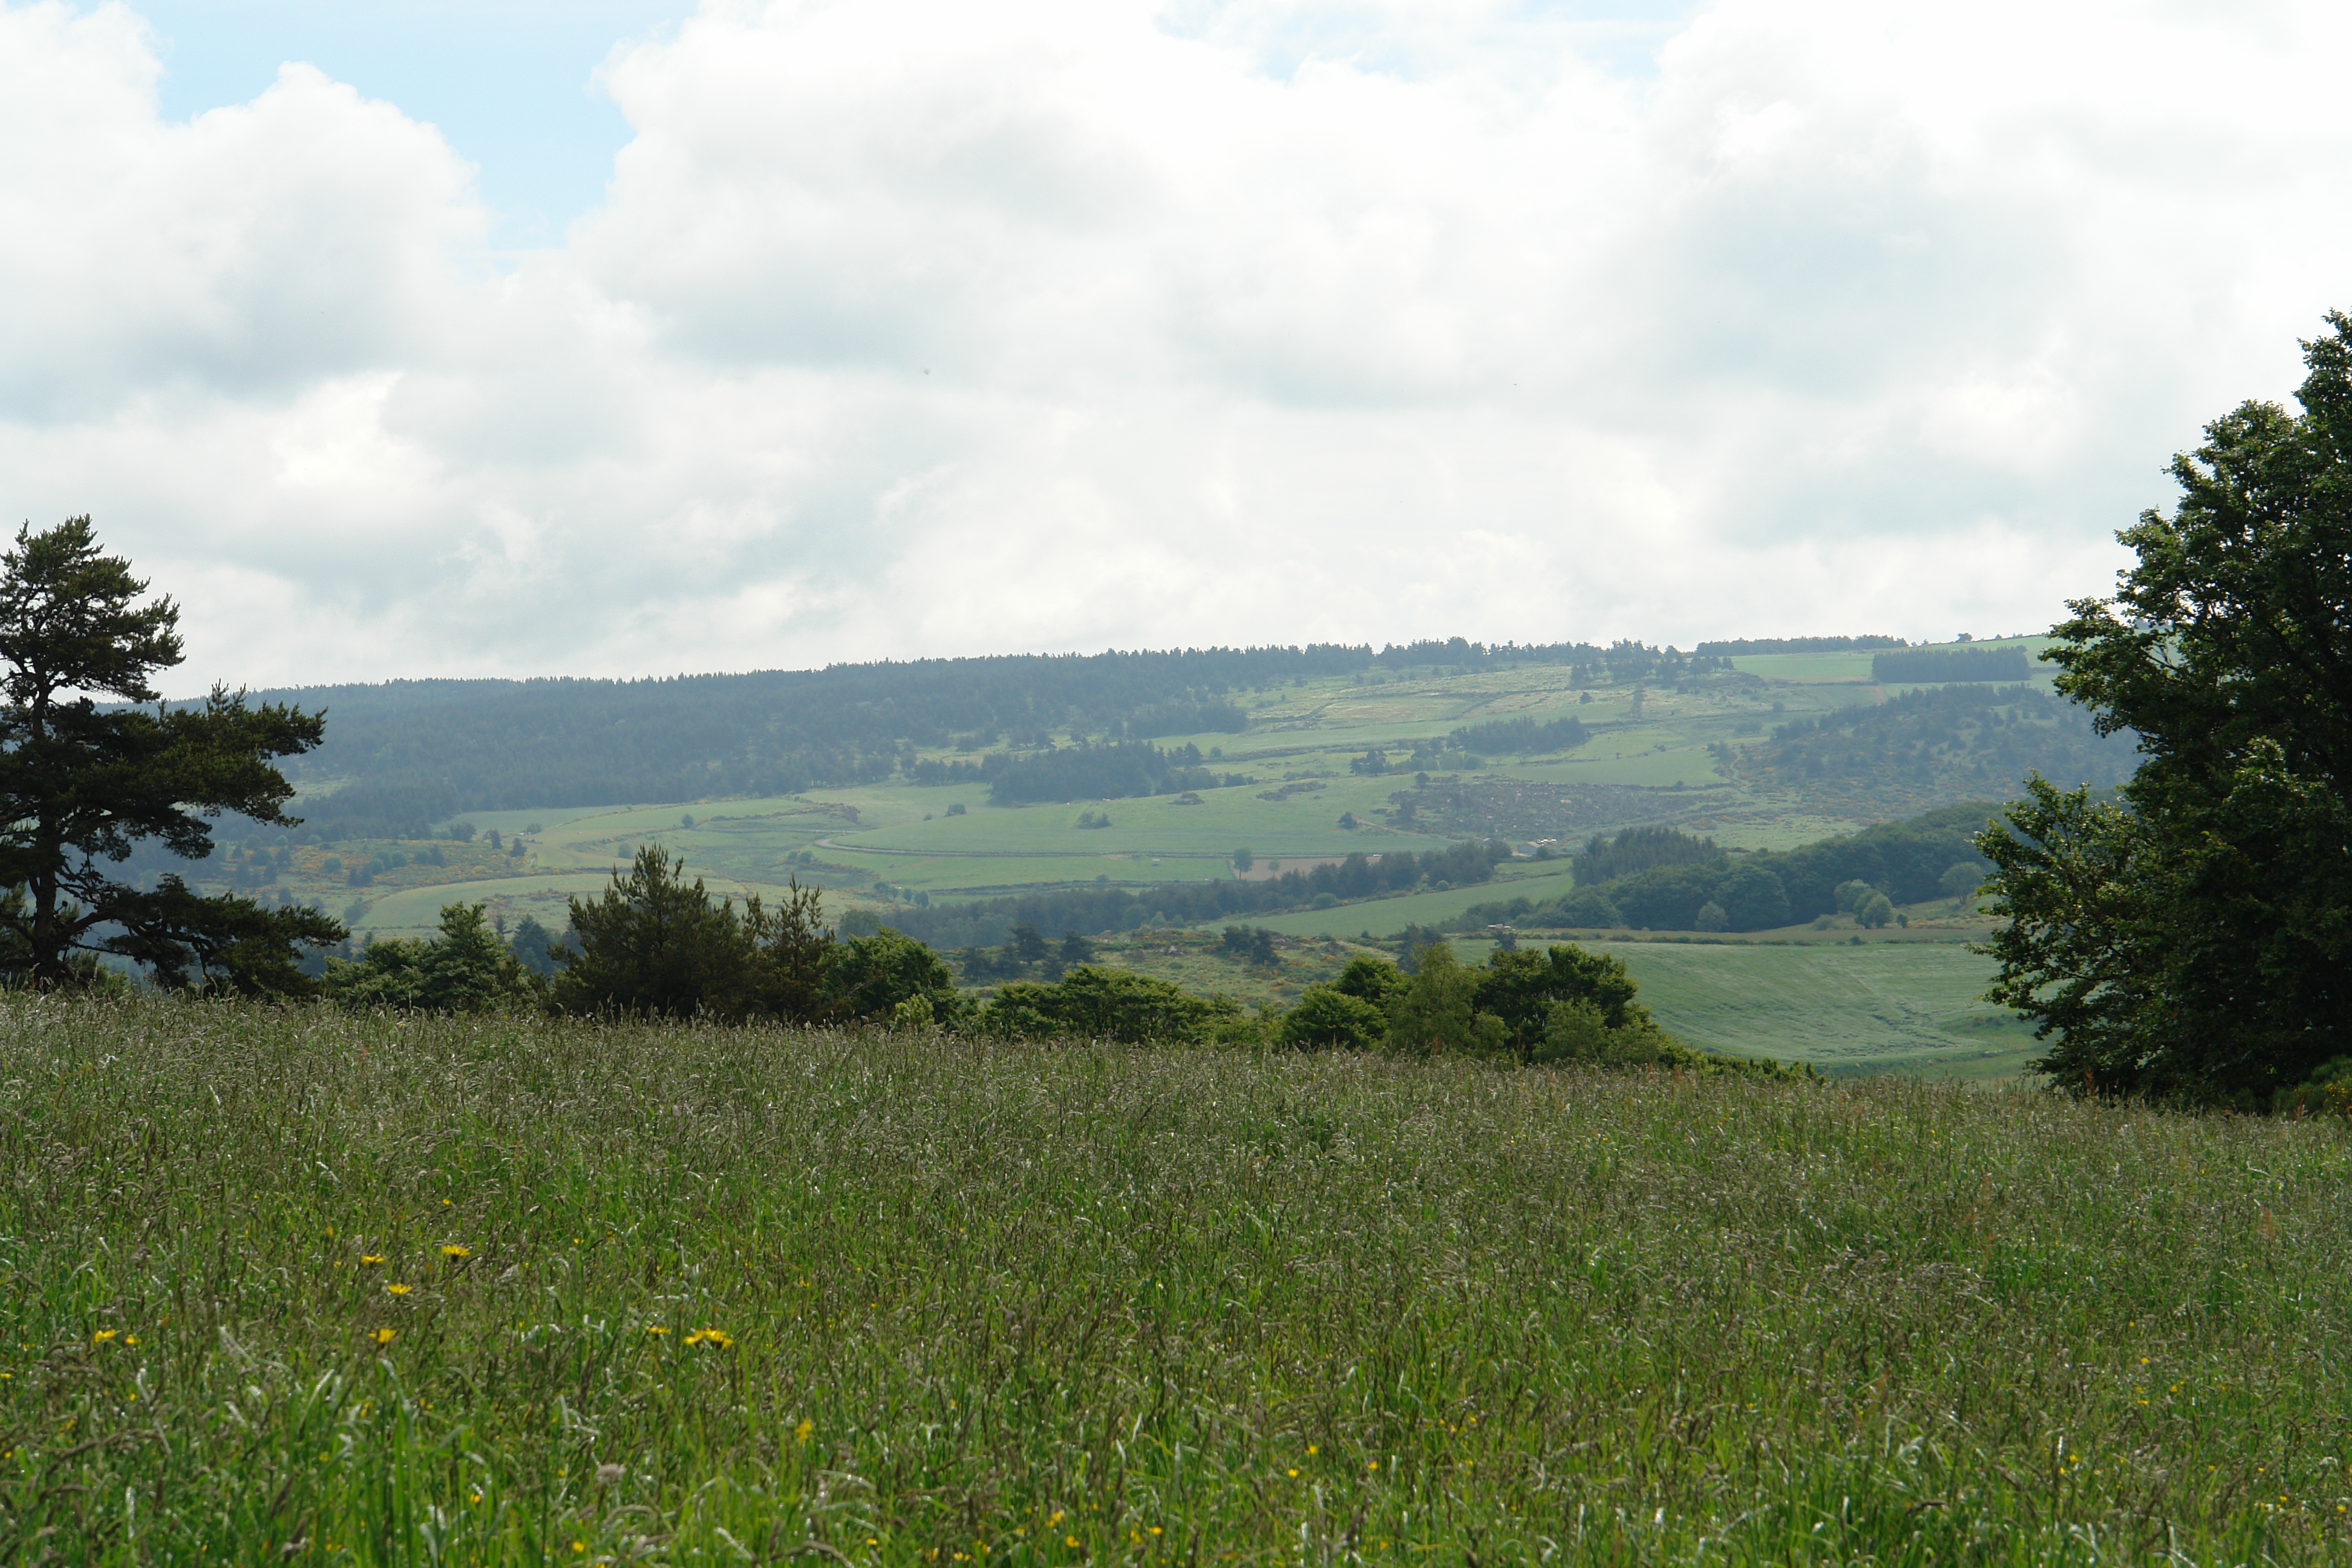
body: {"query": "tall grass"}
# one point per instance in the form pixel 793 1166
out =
pixel 990 1304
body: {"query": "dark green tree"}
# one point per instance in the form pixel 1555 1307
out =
pixel 1094 1003
pixel 874 976
pixel 1753 899
pixel 794 954
pixel 652 945
pixel 2194 940
pixel 465 969
pixel 1523 988
pixel 82 786
pixel 1371 980
pixel 1327 1019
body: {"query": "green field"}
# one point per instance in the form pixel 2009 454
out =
pixel 294 1288
pixel 1879 1007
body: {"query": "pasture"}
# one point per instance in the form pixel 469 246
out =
pixel 296 1287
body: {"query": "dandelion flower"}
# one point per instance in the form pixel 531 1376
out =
pixel 381 1336
pixel 371 1259
pixel 399 1290
pixel 103 1335
pixel 719 1338
pixel 656 1328
pixel 454 1251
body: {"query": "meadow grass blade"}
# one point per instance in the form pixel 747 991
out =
pixel 286 1285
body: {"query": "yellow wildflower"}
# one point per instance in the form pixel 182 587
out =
pixel 381 1336
pixel 371 1259
pixel 399 1290
pixel 103 1335
pixel 453 1252
pixel 656 1330
pixel 801 1433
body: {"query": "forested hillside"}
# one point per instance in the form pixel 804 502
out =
pixel 1939 745
pixel 405 753
pixel 1658 879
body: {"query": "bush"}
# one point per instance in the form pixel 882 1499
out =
pixel 2328 1092
pixel 1752 899
pixel 1436 1013
pixel 1590 907
pixel 1095 1002
pixel 1327 1018
pixel 466 969
pixel 1711 916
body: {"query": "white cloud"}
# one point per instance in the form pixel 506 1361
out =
pixel 909 328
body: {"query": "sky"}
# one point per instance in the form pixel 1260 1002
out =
pixel 621 338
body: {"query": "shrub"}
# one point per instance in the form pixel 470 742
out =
pixel 1327 1018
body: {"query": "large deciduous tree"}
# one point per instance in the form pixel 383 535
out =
pixel 81 785
pixel 2193 939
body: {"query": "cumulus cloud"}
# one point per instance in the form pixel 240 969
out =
pixel 908 328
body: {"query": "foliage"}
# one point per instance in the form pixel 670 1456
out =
pixel 419 751
pixel 2194 941
pixel 465 969
pixel 1437 1015
pixel 1636 849
pixel 988 921
pixel 1908 861
pixel 1752 898
pixel 792 956
pixel 652 946
pixel 1522 737
pixel 81 787
pixel 875 977
pixel 1522 989
pixel 1590 907
pixel 1111 771
pixel 1093 1002
pixel 1254 945
pixel 1370 980
pixel 1327 1018
pixel 535 948
pixel 1958 744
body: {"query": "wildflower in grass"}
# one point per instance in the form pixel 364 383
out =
pixel 103 1335
pixel 399 1290
pixel 371 1259
pixel 802 1433
pixel 131 1339
pixel 383 1336
pixel 656 1330
pixel 716 1338
pixel 453 1252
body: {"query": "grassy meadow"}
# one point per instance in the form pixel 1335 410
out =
pixel 290 1287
